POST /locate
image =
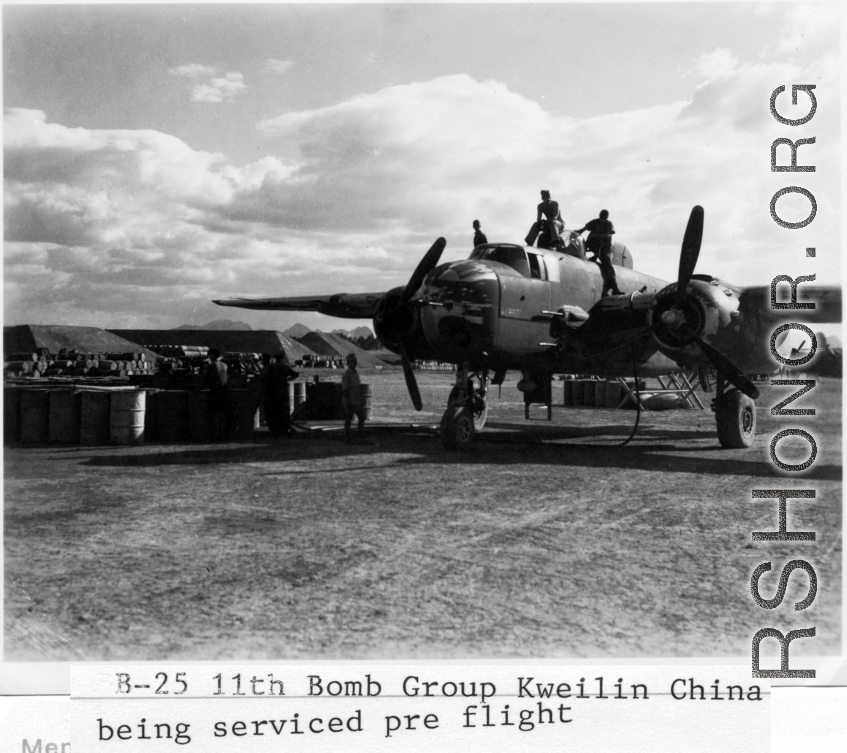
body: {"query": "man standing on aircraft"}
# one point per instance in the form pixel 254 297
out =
pixel 351 398
pixel 554 223
pixel 599 243
pixel 478 236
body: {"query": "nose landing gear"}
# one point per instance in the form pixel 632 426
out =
pixel 467 409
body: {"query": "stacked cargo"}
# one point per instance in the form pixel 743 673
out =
pixel 179 351
pixel 98 416
pixel 433 366
pixel 322 362
pixel 41 363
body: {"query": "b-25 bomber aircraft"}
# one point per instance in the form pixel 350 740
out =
pixel 540 311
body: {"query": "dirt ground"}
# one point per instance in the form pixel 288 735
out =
pixel 546 539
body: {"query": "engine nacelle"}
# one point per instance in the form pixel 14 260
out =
pixel 709 309
pixel 395 320
pixel 392 318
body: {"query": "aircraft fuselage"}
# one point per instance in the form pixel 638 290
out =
pixel 488 310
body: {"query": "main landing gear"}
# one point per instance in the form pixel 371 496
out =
pixel 735 415
pixel 467 409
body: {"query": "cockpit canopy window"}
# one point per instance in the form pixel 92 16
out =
pixel 524 263
pixel 537 270
pixel 511 256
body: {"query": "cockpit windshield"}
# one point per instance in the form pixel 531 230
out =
pixel 511 256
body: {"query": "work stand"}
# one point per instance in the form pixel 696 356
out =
pixel 671 384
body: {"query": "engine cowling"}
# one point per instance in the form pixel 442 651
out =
pixel 393 318
pixel 708 309
pixel 397 322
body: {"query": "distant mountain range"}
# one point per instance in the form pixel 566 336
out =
pixel 299 330
pixel 296 330
pixel 218 324
pixel 354 333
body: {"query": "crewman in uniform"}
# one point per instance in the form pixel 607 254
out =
pixel 216 380
pixel 352 402
pixel 478 236
pixel 275 398
pixel 599 243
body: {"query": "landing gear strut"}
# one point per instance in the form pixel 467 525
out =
pixel 467 409
pixel 735 415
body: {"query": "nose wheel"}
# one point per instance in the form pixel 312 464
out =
pixel 467 409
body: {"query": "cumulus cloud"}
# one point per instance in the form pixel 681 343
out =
pixel 221 89
pixel 349 196
pixel 277 67
pixel 720 63
pixel 215 88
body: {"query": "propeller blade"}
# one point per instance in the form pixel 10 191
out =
pixel 426 265
pixel 411 382
pixel 726 368
pixel 690 251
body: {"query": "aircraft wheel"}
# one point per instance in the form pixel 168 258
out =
pixel 457 428
pixel 479 408
pixel 478 405
pixel 735 414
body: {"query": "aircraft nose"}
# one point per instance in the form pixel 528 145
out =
pixel 460 310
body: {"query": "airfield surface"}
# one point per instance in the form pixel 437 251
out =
pixel 546 539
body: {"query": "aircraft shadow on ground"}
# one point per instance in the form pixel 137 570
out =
pixel 544 433
pixel 492 446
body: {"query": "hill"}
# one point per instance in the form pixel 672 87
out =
pixel 296 330
pixel 27 337
pixel 327 344
pixel 237 341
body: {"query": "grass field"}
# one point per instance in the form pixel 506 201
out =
pixel 545 539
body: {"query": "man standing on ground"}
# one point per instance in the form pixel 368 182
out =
pixel 599 243
pixel 478 236
pixel 216 380
pixel 351 398
pixel 275 395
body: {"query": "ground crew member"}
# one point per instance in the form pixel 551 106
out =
pixel 352 401
pixel 599 243
pixel 554 223
pixel 478 236
pixel 216 380
pixel 274 395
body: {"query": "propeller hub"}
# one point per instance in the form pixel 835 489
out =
pixel 673 318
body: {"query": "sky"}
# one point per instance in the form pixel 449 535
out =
pixel 158 157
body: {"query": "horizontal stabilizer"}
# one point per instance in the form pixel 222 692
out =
pixel 827 300
pixel 342 305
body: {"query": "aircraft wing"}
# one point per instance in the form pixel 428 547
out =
pixel 827 300
pixel 343 305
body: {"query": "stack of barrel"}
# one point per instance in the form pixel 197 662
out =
pixel 323 362
pixel 321 401
pixel 593 393
pixel 120 416
pixel 41 363
pixel 179 351
pixel 433 366
pixel 96 416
